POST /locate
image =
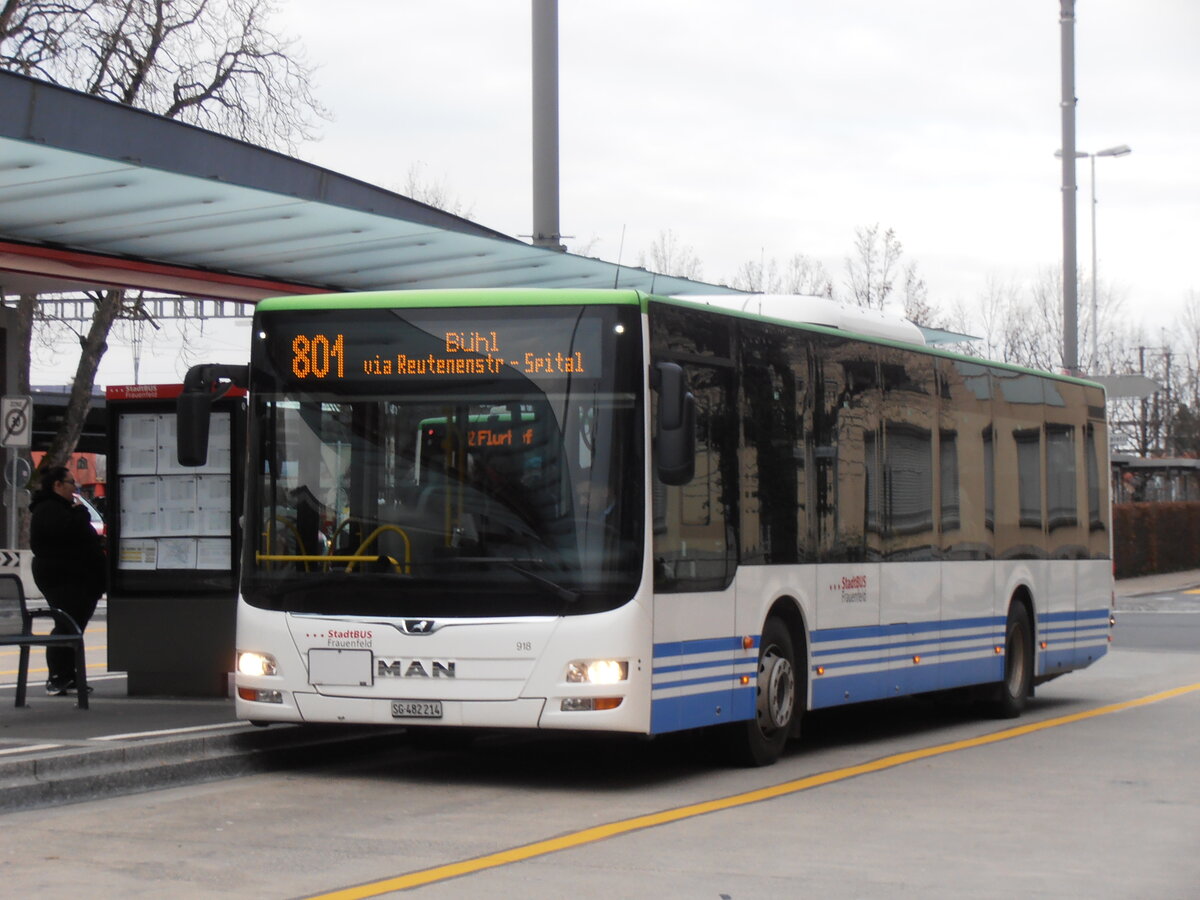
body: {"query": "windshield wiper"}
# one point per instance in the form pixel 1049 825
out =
pixel 515 563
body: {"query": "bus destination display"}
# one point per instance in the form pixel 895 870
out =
pixel 528 348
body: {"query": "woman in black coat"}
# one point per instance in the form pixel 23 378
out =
pixel 68 565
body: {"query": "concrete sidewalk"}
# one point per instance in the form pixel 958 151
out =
pixel 52 752
pixel 1157 584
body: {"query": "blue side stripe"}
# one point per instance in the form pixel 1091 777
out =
pixel 988 649
pixel 697 710
pixel 869 631
pixel 726 678
pixel 859 648
pixel 707 664
pixel 873 645
pixel 707 645
pixel 1073 616
pixel 857 687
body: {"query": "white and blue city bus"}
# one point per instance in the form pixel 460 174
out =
pixel 610 511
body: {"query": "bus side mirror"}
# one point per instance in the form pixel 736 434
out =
pixel 194 408
pixel 675 443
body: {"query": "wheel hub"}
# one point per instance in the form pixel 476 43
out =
pixel 777 690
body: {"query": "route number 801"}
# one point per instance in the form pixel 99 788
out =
pixel 316 355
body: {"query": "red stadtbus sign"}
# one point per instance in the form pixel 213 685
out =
pixel 153 392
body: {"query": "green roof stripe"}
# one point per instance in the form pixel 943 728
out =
pixel 871 339
pixel 502 297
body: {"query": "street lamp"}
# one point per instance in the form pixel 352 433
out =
pixel 1119 150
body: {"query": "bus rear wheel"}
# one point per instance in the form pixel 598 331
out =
pixel 1012 693
pixel 760 741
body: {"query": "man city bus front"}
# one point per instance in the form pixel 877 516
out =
pixel 445 517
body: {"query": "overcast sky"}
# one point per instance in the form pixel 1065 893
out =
pixel 772 127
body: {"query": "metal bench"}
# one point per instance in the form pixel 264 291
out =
pixel 16 629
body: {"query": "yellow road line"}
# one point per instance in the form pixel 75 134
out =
pixel 637 823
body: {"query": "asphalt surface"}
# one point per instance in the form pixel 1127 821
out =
pixel 51 752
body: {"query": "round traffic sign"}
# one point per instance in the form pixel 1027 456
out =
pixel 18 472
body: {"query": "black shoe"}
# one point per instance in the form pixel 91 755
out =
pixel 58 688
pixel 70 686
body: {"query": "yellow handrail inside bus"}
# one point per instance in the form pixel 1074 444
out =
pixel 338 530
pixel 374 534
pixel 299 543
pixel 281 557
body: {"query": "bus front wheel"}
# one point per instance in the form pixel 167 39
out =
pixel 760 741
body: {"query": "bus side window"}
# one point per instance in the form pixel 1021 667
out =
pixel 692 536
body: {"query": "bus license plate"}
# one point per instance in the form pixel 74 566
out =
pixel 416 709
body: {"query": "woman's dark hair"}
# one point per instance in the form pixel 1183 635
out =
pixel 53 475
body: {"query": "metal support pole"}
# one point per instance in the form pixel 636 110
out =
pixel 545 125
pixel 13 537
pixel 1093 361
pixel 1070 359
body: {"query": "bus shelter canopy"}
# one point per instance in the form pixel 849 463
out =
pixel 95 194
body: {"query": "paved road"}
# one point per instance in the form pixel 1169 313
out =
pixel 888 800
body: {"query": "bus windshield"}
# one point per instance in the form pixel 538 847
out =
pixel 429 463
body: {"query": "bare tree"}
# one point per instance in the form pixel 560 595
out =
pixel 670 256
pixel 917 306
pixel 218 64
pixel 214 63
pixel 1019 324
pixel 1187 335
pixel 758 276
pixel 34 34
pixel 871 271
pixel 800 274
pixel 420 186
pixel 1043 325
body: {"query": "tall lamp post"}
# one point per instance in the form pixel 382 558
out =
pixel 1119 150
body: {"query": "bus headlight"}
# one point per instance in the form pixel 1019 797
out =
pixel 250 663
pixel 597 671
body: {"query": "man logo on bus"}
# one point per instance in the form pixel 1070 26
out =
pixel 419 626
pixel 415 668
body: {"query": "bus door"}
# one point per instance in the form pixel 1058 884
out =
pixel 848 520
pixel 848 642
pixel 695 560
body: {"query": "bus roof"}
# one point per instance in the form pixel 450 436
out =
pixel 818 313
pixel 866 325
pixel 804 309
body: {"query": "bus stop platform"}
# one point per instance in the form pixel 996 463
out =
pixel 53 753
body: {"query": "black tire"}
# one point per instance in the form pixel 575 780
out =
pixel 1012 693
pixel 760 741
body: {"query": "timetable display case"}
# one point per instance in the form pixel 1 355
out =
pixel 173 537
